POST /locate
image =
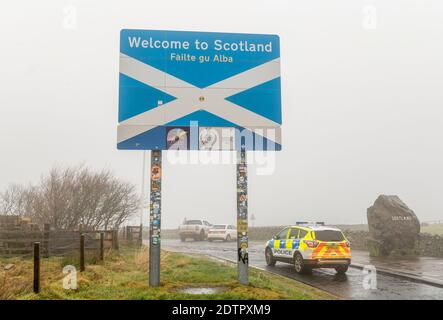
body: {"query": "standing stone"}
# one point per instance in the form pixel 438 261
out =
pixel 393 227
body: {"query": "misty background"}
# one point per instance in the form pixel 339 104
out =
pixel 362 103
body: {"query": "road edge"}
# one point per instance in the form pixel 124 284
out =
pixel 402 275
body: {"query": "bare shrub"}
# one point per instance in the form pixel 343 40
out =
pixel 69 197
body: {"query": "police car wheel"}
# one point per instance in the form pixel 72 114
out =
pixel 183 239
pixel 299 264
pixel 341 269
pixel 270 260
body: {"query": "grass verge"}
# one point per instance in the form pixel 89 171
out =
pixel 124 275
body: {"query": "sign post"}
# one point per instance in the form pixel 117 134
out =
pixel 242 218
pixel 206 91
pixel 155 218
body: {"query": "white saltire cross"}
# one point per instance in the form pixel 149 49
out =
pixel 190 98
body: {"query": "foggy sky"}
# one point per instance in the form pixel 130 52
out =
pixel 362 107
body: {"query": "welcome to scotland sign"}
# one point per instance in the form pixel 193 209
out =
pixel 199 91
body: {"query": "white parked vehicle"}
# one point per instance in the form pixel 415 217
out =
pixel 196 229
pixel 225 232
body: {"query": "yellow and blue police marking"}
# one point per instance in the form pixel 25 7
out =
pixel 284 244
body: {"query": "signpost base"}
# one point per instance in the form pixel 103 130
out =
pixel 242 218
pixel 155 218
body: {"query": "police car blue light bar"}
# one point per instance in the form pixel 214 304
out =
pixel 320 223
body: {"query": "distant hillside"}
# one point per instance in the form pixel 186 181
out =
pixel 436 228
pixel 352 227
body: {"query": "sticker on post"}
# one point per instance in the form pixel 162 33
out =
pixel 156 173
pixel 155 240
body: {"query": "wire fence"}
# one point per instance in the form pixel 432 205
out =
pixel 53 243
pixel 44 257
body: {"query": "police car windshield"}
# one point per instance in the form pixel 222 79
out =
pixel 219 226
pixel 193 222
pixel 329 235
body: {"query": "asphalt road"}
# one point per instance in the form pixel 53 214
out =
pixel 348 286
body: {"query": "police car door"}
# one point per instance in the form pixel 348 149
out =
pixel 293 241
pixel 279 248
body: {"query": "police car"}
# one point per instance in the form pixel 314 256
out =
pixel 308 246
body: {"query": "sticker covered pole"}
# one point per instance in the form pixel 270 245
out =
pixel 242 218
pixel 155 218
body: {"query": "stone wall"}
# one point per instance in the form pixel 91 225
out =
pixel 430 245
pixel 357 238
pixel 427 245
pixel 255 233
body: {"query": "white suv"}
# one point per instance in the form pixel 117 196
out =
pixel 196 229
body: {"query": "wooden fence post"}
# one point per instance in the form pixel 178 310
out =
pixel 82 252
pixel 115 239
pixel 36 267
pixel 46 230
pixel 102 246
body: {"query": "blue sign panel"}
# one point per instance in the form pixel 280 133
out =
pixel 199 91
